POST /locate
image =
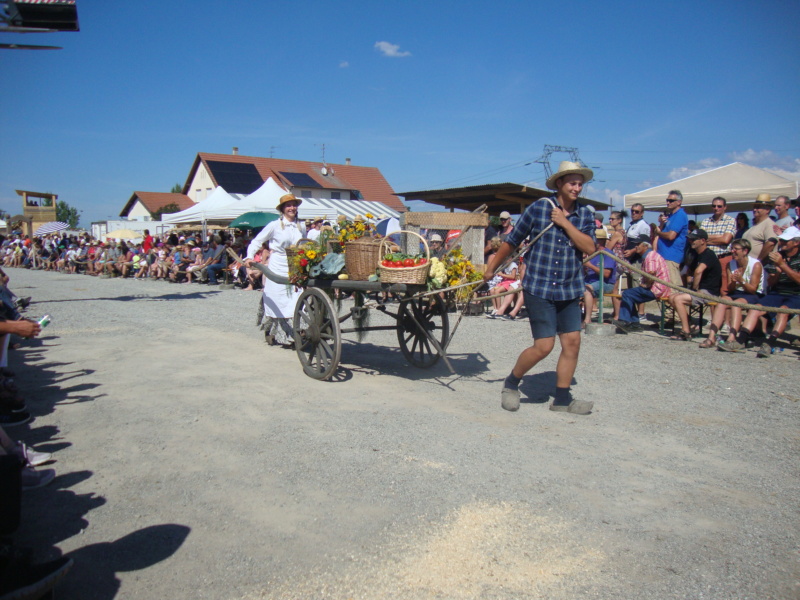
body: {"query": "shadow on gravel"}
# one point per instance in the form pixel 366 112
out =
pixel 365 357
pixel 96 565
pixel 539 387
pixel 145 297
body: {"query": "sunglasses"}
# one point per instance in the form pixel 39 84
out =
pixel 671 200
pixel 637 212
pixel 718 205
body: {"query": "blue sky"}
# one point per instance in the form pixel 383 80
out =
pixel 434 94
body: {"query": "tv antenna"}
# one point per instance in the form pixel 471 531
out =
pixel 325 170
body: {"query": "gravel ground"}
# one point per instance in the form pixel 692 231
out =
pixel 194 461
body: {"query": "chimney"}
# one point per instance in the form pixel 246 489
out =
pixel 235 150
pixel 347 161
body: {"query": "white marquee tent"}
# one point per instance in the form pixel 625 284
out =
pixel 203 210
pixel 738 183
pixel 265 199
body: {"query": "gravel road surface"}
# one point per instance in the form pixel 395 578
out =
pixel 194 461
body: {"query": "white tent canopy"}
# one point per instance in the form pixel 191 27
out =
pixel 738 183
pixel 202 210
pixel 264 199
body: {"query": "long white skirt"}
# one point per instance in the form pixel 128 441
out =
pixel 279 302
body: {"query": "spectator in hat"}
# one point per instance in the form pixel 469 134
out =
pixel 315 229
pixel 706 277
pixel 761 235
pixel 648 290
pixel 436 244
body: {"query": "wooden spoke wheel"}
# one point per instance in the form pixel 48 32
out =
pixel 317 337
pixel 416 321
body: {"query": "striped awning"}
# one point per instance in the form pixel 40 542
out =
pixel 348 208
pixel 51 227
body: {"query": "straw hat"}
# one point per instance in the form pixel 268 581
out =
pixel 601 234
pixel 568 168
pixel 763 198
pixel 288 198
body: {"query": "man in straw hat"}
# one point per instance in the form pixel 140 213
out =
pixel 553 285
pixel 761 235
pixel 315 230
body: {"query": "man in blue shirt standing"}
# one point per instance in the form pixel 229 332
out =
pixel 672 235
pixel 553 283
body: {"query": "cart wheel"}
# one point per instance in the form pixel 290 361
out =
pixel 317 337
pixel 430 313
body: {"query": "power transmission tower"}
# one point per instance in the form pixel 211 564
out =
pixel 549 149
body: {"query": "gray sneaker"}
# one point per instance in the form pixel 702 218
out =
pixel 733 346
pixel 32 479
pixel 576 407
pixel 765 351
pixel 509 399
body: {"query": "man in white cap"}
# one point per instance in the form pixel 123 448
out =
pixel 553 284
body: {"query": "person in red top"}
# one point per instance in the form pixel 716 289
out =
pixel 148 241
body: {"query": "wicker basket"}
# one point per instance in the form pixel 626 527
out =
pixel 417 275
pixel 291 254
pixel 361 258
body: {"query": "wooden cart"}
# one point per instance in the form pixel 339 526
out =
pixel 421 324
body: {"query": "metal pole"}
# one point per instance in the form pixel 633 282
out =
pixel 600 295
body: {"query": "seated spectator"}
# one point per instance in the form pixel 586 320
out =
pixel 746 283
pixel 502 281
pixel 196 266
pixel 516 299
pixel 218 259
pixel 112 255
pixel 706 277
pixel 160 268
pixel 592 275
pixel 783 281
pixel 649 290
pixel 254 275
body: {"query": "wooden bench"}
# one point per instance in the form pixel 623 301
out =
pixel 696 310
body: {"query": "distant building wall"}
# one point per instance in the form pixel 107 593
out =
pixel 201 186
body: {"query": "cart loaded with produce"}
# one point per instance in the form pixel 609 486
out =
pixel 357 261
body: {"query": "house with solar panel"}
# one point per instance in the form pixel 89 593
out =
pixel 338 188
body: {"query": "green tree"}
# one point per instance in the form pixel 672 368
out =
pixel 67 214
pixel 177 189
pixel 166 210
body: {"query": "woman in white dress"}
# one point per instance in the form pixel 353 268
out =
pixel 279 300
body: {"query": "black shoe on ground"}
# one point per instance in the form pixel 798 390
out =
pixel 627 326
pixel 10 419
pixel 23 582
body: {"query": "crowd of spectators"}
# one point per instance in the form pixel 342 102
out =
pixel 737 259
pixel 173 258
pixel 732 259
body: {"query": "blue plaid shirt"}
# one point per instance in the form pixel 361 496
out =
pixel 554 269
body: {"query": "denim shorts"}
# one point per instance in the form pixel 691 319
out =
pixel 551 317
pixel 778 301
